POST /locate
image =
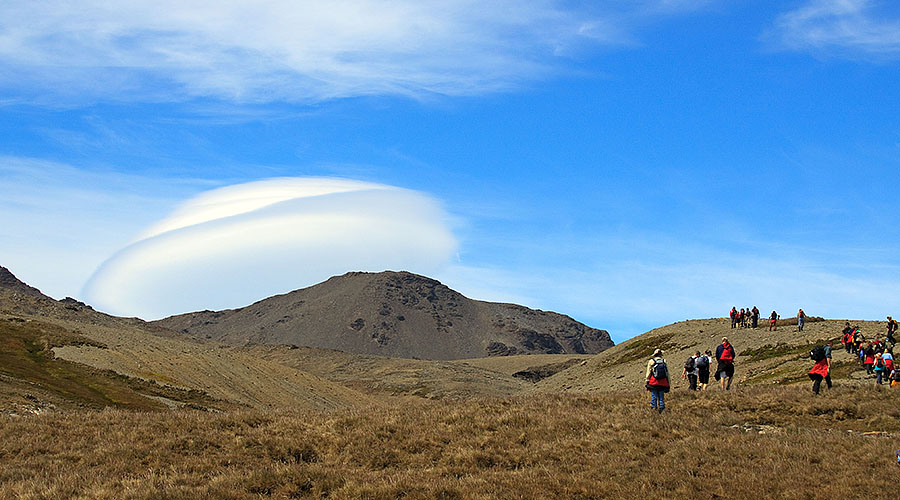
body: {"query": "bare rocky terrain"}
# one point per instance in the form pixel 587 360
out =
pixel 393 314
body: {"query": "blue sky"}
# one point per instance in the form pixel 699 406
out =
pixel 630 164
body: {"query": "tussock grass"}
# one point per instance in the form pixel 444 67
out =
pixel 760 442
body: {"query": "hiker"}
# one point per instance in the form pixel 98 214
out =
pixel 773 318
pixel 657 377
pixel 822 369
pixel 691 371
pixel 857 339
pixel 888 360
pixel 847 337
pixel 891 328
pixel 869 359
pixel 878 367
pixel 725 364
pixel 702 364
pixel 744 314
pixel 801 320
pixel 734 316
pixel 754 317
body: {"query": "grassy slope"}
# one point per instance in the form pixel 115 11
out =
pixel 28 364
pixel 141 354
pixel 383 376
pixel 762 442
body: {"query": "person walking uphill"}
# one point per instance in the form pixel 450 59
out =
pixel 801 320
pixel 691 371
pixel 822 369
pixel 657 377
pixel 725 363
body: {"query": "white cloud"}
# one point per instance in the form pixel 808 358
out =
pixel 298 50
pixel 61 222
pixel 239 244
pixel 279 49
pixel 852 28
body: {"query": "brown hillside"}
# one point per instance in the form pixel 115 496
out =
pixel 395 314
pixel 49 345
pixel 382 376
pixel 763 357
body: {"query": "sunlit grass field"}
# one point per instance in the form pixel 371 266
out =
pixel 757 442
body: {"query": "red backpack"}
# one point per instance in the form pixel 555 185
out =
pixel 727 353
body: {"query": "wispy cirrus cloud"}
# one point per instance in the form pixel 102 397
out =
pixel 297 50
pixel 847 28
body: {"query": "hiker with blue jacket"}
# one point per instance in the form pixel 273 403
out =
pixel 657 377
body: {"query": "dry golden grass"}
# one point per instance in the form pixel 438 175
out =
pixel 606 445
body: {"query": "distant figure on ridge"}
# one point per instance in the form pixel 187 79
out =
pixel 734 316
pixel 742 317
pixel 725 364
pixel 657 377
pixel 801 320
pixel 822 369
pixel 891 329
pixel 773 320
pixel 754 317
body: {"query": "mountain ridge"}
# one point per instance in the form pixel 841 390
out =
pixel 395 314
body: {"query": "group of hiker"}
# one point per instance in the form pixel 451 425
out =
pixel 745 318
pixel 875 355
pixel 749 318
pixel 696 371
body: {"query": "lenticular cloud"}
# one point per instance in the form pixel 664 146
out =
pixel 235 245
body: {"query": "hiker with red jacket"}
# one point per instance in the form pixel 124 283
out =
pixel 869 360
pixel 773 321
pixel 657 377
pixel 725 364
pixel 847 337
pixel 822 369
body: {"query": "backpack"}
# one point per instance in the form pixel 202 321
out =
pixel 702 362
pixel 879 361
pixel 690 364
pixel 727 353
pixel 817 353
pixel 660 370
